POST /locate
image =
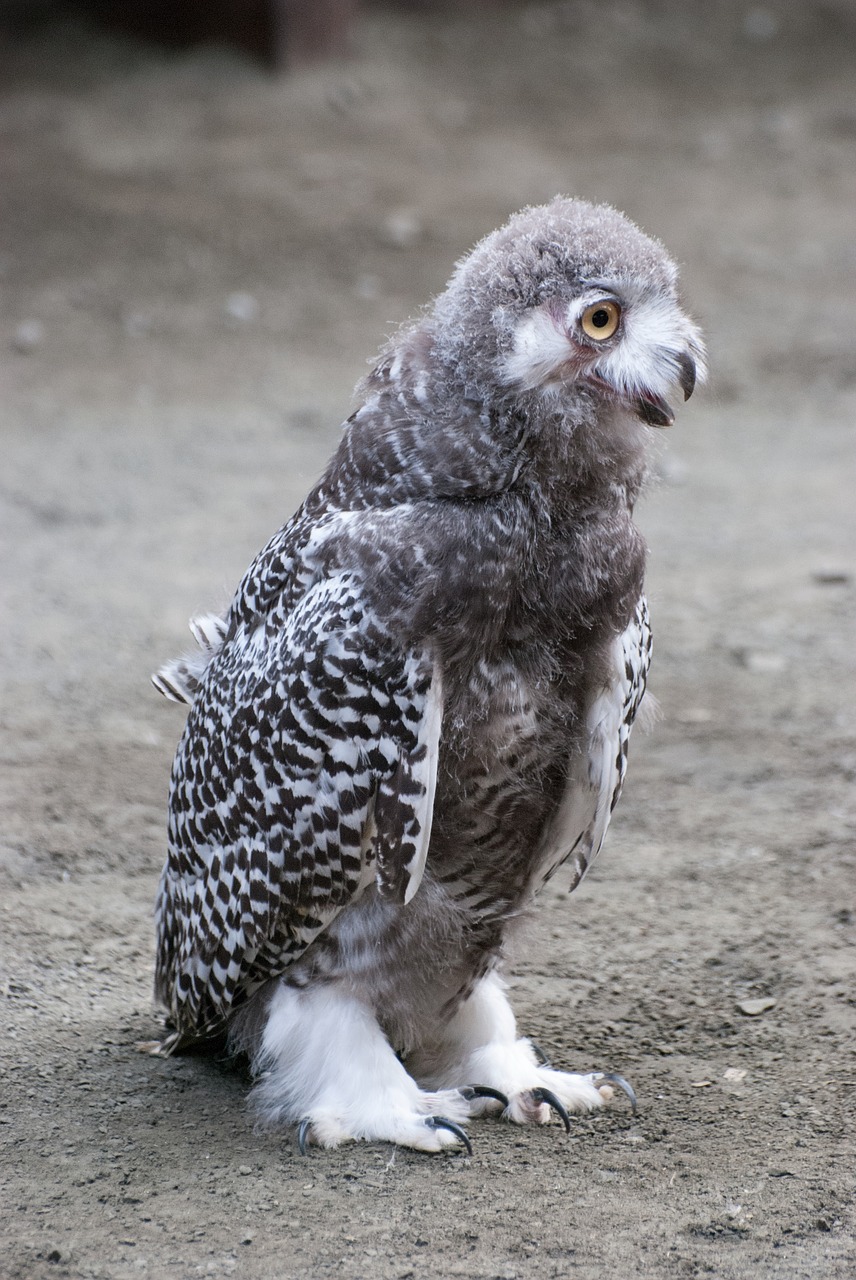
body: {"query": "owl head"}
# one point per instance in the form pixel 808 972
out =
pixel 570 299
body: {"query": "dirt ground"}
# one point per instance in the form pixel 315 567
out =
pixel 196 261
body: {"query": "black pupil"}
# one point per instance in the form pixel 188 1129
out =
pixel 600 318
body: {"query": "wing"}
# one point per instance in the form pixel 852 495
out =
pixel 305 773
pixel 596 776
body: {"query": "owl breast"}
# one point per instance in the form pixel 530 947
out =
pixel 515 717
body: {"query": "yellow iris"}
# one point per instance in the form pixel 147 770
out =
pixel 601 319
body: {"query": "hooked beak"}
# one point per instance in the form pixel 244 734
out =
pixel 656 411
pixel 687 377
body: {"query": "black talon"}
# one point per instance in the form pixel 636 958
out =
pixel 483 1091
pixel 303 1134
pixel 610 1077
pixel 543 1060
pixel 440 1122
pixel 545 1095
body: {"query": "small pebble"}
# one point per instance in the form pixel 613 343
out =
pixel 760 24
pixel 242 307
pixel 672 470
pixel 696 715
pixel 28 335
pixel 402 229
pixel 754 1008
pixel 136 323
pixel 762 661
pixel 346 97
pixel 368 288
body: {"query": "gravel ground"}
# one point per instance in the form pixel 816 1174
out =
pixel 196 261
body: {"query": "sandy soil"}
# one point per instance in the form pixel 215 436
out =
pixel 196 260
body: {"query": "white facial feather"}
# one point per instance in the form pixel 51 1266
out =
pixel 654 333
pixel 541 350
pixel 644 355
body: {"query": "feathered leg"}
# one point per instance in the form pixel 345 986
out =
pixel 480 1046
pixel 325 1065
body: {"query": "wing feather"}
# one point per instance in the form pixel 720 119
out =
pixel 596 776
pixel 179 679
pixel 306 772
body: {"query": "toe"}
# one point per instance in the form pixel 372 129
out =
pixel 304 1130
pixel 483 1100
pixel 547 1095
pixel 440 1123
pixel 603 1082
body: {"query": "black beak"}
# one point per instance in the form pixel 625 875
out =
pixel 687 378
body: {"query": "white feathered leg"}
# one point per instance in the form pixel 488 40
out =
pixel 324 1060
pixel 480 1046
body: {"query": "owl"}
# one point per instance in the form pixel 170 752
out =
pixel 418 705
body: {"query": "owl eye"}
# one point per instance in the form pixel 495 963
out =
pixel 601 319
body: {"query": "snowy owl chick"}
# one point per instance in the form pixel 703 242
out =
pixel 418 705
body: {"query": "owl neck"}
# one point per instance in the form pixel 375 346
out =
pixel 423 435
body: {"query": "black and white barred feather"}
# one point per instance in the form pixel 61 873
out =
pixel 419 702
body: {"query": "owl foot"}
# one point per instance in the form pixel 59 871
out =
pixel 481 1043
pixel 431 1133
pixel 326 1067
pixel 564 1092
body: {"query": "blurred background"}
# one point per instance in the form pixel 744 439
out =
pixel 198 254
pixel 210 219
